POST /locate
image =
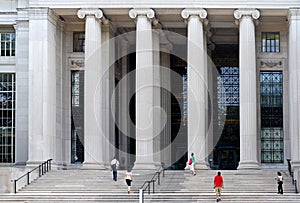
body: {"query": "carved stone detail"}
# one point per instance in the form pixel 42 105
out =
pixel 186 13
pixel 133 13
pixel 271 63
pixel 81 13
pixel 239 13
pixel 76 63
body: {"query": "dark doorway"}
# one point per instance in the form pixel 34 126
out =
pixel 226 154
pixel 179 114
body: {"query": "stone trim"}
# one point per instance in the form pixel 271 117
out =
pixel 133 13
pixel 186 13
pixel 239 13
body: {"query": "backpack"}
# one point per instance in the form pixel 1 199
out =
pixel 113 166
pixel 190 161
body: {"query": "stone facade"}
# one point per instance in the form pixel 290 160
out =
pixel 114 32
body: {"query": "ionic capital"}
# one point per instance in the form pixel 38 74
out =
pixel 81 13
pixel 293 14
pixel 133 13
pixel 186 13
pixel 239 13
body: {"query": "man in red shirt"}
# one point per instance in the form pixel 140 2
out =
pixel 218 185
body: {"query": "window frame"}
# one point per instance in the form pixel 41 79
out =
pixel 268 42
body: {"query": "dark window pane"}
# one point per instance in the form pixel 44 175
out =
pixel 271 117
pixel 270 42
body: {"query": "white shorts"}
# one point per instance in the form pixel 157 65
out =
pixel 192 167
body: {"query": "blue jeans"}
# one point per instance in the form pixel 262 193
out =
pixel 115 175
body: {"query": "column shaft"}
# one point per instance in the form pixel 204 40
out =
pixel 248 99
pixel 294 89
pixel 166 106
pixel 156 98
pixel 196 87
pixel 145 115
pixel 93 104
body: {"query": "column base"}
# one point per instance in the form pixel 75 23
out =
pixel 246 165
pixel 295 164
pixel 92 166
pixel 144 166
pixel 202 165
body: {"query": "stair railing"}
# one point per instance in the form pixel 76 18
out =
pixel 296 186
pixel 147 184
pixel 43 168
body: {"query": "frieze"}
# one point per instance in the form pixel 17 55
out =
pixel 76 64
pixel 274 63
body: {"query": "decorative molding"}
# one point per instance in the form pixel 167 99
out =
pixel 76 63
pixel 186 13
pixel 239 13
pixel 81 13
pixel 133 13
pixel 294 13
pixel 271 63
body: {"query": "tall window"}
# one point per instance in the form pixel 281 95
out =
pixel 7 41
pixel 271 117
pixel 78 41
pixel 270 42
pixel 77 116
pixel 7 117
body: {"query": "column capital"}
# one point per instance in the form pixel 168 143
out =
pixel 239 13
pixel 186 13
pixel 81 13
pixel 294 13
pixel 133 13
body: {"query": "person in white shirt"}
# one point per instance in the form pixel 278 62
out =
pixel 279 182
pixel 128 179
pixel 114 166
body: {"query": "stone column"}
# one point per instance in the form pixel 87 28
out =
pixel 166 104
pixel 22 47
pixel 145 131
pixel 293 85
pixel 157 97
pixel 42 85
pixel 196 85
pixel 93 105
pixel 248 99
pixel 124 105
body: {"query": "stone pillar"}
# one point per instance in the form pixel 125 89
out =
pixel 107 88
pixel 22 47
pixel 145 131
pixel 157 97
pixel 42 85
pixel 166 104
pixel 93 105
pixel 124 106
pixel 293 85
pixel 248 99
pixel 196 85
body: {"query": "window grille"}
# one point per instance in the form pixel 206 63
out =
pixel 7 117
pixel 270 42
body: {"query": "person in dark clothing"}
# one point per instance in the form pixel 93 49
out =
pixel 280 183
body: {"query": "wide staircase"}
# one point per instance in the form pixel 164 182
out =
pixel 177 186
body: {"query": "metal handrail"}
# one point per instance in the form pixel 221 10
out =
pixel 147 184
pixel 43 169
pixel 296 186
